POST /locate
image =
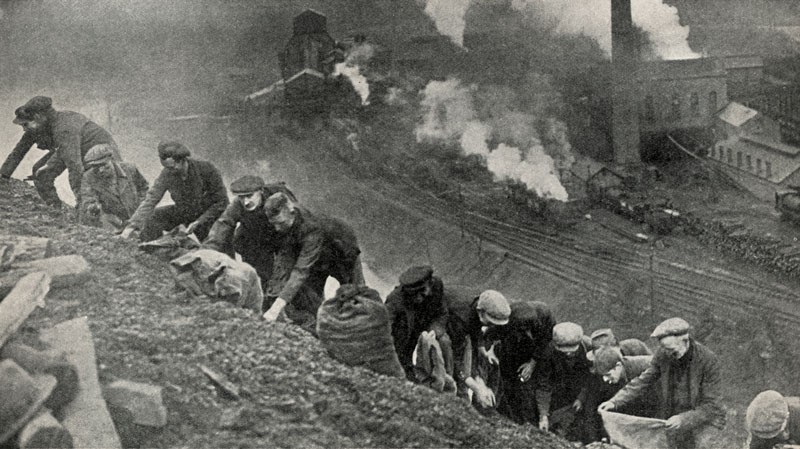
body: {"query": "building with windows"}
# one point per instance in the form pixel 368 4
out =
pixel 751 142
pixel 681 94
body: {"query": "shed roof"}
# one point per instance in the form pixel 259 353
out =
pixel 742 61
pixel 736 114
pixel 682 69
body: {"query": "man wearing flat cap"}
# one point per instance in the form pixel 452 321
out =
pixel 772 419
pixel 417 305
pixel 67 136
pixel 600 390
pixel 566 374
pixel 470 320
pixel 311 248
pixel 244 228
pixel 687 375
pixel 110 190
pixel 522 348
pixel 196 189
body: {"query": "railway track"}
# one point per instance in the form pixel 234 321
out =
pixel 607 265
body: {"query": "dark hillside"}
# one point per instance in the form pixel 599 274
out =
pixel 145 330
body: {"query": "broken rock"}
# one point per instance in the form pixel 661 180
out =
pixel 142 401
pixel 44 431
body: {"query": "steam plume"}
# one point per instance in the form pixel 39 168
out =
pixel 357 56
pixel 593 18
pixel 448 15
pixel 450 116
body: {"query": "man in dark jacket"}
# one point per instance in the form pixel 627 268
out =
pixel 566 373
pixel 418 305
pixel 196 189
pixel 687 375
pixel 772 419
pixel 312 247
pixel 523 346
pixel 469 321
pixel 110 190
pixel 67 136
pixel 244 228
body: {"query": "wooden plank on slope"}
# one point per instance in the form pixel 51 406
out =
pixel 27 294
pixel 86 417
pixel 64 271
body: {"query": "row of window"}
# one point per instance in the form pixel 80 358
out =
pixel 743 161
pixel 674 112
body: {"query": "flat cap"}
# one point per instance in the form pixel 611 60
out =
pixel 602 337
pixel 247 185
pixel 671 328
pixel 606 358
pixel 173 149
pixel 98 154
pixel 567 336
pixel 415 277
pixel 275 203
pixel 495 306
pixel 767 415
pixel 34 105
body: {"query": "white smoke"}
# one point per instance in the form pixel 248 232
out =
pixel 448 108
pixel 450 116
pixel 449 17
pixel 593 18
pixel 357 57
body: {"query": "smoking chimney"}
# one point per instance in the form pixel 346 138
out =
pixel 624 94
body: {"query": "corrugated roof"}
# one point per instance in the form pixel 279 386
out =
pixel 736 114
pixel 742 61
pixel 772 145
pixel 682 69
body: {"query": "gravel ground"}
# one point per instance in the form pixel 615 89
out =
pixel 294 394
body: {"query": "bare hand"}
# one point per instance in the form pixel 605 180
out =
pixel 674 422
pixel 606 406
pixel 127 233
pixel 526 370
pixel 577 405
pixel 485 397
pixel 490 355
pixel 544 423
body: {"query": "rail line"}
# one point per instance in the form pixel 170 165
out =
pixel 676 287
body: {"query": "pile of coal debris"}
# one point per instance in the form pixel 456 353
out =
pixel 274 385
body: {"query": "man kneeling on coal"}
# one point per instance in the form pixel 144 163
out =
pixel 312 247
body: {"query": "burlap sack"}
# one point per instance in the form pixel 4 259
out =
pixel 354 328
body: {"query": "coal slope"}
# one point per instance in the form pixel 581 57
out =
pixel 293 394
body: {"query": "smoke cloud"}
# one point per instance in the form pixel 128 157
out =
pixel 449 17
pixel 357 57
pixel 519 153
pixel 593 18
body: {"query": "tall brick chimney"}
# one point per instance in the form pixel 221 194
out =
pixel 624 93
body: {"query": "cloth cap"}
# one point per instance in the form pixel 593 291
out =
pixel 98 154
pixel 567 336
pixel 23 395
pixel 414 278
pixel 767 415
pixel 173 149
pixel 275 204
pixel 247 185
pixel 602 337
pixel 672 327
pixel 33 106
pixel 606 358
pixel 495 306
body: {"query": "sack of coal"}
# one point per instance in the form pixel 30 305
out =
pixel 354 328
